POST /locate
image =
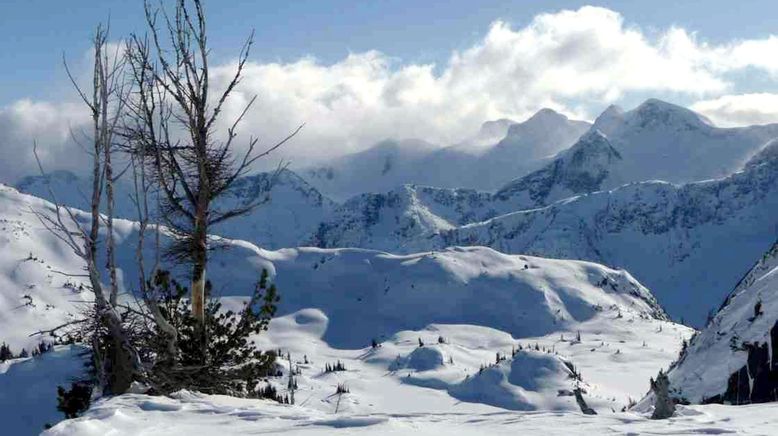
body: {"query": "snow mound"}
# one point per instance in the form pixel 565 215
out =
pixel 421 359
pixel 531 380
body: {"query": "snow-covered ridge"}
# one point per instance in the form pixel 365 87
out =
pixel 668 235
pixel 581 169
pixel 734 358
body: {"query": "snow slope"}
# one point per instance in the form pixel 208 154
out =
pixel 585 167
pixel 737 337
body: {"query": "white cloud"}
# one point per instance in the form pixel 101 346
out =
pixel 740 110
pixel 24 122
pixel 572 61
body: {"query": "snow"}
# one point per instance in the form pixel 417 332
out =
pixel 28 388
pixel 193 414
pixel 663 141
pixel 291 208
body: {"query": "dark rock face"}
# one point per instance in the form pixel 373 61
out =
pixel 757 380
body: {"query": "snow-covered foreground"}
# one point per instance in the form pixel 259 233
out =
pixel 194 414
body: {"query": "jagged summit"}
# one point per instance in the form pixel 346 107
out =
pixel 580 169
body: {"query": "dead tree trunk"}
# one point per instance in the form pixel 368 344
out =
pixel 195 169
pixel 121 361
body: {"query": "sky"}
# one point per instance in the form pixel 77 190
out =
pixel 358 72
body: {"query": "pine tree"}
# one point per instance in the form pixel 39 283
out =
pixel 72 403
pixel 5 352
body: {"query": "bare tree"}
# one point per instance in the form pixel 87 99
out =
pixel 146 111
pixel 117 361
pixel 191 166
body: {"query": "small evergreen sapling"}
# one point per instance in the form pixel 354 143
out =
pixel 664 406
pixel 75 401
pixel 5 352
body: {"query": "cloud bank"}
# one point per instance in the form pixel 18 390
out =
pixel 576 62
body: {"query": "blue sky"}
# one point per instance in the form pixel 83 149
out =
pixel 359 72
pixel 34 33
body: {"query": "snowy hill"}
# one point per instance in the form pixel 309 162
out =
pixel 500 152
pixel 292 210
pixel 385 165
pixel 731 359
pixel 668 235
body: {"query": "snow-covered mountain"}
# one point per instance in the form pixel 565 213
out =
pixel 290 213
pixel 585 167
pixel 655 141
pixel 669 236
pixel 734 358
pixel 500 152
pixel 662 141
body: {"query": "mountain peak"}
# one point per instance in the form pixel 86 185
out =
pixel 609 119
pixel 495 128
pixel 593 152
pixel 546 115
pixel 544 122
pixel 654 113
